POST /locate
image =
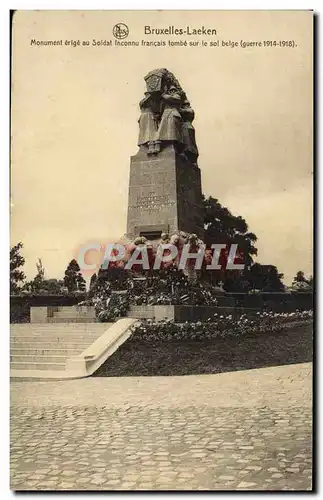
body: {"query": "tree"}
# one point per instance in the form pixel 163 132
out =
pixel 38 280
pixel 300 277
pixel 116 275
pixel 265 278
pixel 301 283
pixel 93 285
pixel 73 279
pixel 221 226
pixel 54 286
pixel 41 286
pixel 93 281
pixel 51 286
pixel 17 276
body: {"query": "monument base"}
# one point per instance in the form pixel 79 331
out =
pixel 165 195
pixel 181 313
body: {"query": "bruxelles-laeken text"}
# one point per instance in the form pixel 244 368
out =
pixel 172 30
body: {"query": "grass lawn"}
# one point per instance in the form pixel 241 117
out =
pixel 140 358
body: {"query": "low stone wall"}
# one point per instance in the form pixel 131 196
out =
pixel 274 301
pixel 20 305
pixel 152 312
pixel 65 314
pixel 39 314
pixel 184 313
pixel 235 304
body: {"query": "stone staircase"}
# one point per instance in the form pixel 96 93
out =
pixel 47 346
pixel 72 314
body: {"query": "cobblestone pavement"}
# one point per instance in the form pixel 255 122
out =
pixel 246 430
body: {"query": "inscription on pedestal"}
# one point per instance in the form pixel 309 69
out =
pixel 152 201
pixel 164 192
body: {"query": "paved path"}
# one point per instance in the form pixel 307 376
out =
pixel 241 430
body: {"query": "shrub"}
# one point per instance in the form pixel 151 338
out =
pixel 219 326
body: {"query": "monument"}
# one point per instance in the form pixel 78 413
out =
pixel 165 193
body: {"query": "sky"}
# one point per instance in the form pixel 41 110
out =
pixel 74 126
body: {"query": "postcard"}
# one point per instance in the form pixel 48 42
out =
pixel 161 261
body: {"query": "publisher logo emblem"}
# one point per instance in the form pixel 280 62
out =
pixel 120 31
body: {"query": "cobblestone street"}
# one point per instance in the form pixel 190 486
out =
pixel 231 431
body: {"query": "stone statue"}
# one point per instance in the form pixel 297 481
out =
pixel 170 126
pixel 148 121
pixel 160 80
pixel 188 131
pixel 166 116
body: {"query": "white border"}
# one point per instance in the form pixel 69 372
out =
pixel 4 137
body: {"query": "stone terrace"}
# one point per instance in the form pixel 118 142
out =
pixel 248 430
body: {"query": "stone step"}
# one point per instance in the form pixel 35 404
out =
pixel 57 335
pixel 46 337
pixel 60 334
pixel 70 320
pixel 38 366
pixel 59 343
pixel 73 338
pixel 31 325
pixel 72 316
pixel 84 339
pixel 64 351
pixel 76 346
pixel 54 329
pixel 37 359
pixel 74 311
pixel 75 308
pixel 25 328
pixel 46 351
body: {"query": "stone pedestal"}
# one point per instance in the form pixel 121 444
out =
pixel 164 195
